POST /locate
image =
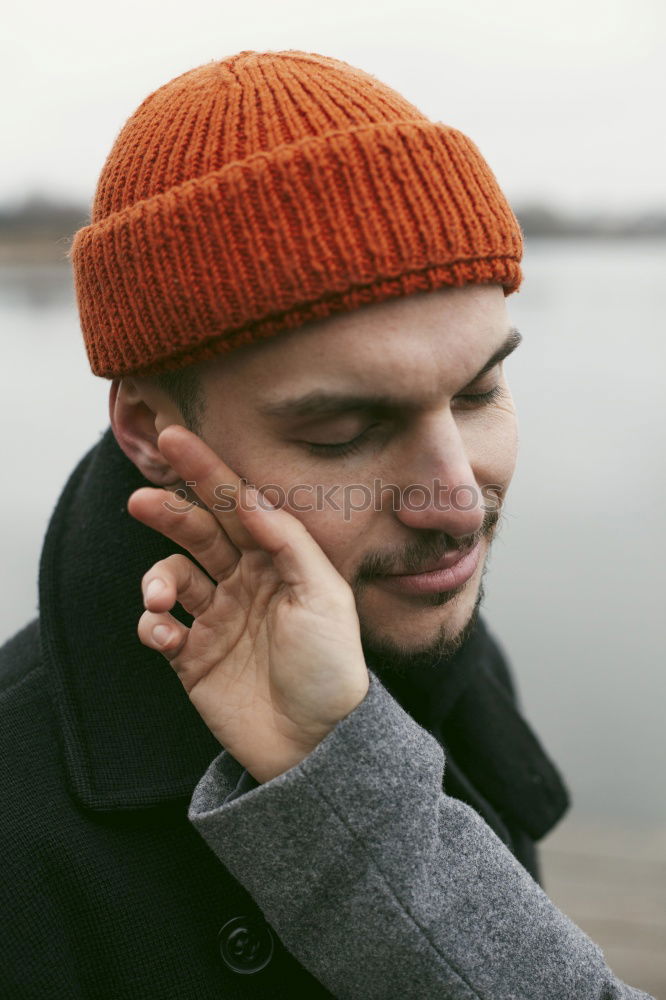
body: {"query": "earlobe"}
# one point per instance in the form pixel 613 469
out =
pixel 133 420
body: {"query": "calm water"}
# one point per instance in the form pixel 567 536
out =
pixel 574 588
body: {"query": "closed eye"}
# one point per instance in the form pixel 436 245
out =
pixel 342 448
pixel 482 398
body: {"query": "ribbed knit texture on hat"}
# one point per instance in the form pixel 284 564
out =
pixel 257 193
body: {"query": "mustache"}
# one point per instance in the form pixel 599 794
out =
pixel 430 546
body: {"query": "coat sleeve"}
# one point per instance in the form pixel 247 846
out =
pixel 383 886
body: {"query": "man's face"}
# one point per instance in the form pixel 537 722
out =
pixel 405 374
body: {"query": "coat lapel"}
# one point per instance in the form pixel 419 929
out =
pixel 131 737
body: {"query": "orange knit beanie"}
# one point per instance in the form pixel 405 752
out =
pixel 257 193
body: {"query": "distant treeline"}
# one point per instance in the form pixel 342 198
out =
pixel 541 220
pixel 40 219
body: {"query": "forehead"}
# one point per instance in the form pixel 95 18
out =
pixel 404 345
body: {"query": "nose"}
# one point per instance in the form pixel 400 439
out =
pixel 438 489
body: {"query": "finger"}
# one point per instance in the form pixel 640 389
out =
pixel 212 480
pixel 163 633
pixel 298 559
pixel 176 578
pixel 195 530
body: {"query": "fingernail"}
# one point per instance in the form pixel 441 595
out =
pixel 161 634
pixel 154 588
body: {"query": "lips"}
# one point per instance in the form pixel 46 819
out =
pixel 461 567
pixel 449 559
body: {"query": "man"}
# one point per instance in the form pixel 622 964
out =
pixel 296 284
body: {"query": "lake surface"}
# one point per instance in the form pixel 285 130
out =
pixel 574 588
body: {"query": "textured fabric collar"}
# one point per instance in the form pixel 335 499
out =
pixel 131 737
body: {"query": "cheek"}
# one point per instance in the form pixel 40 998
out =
pixel 341 534
pixel 337 514
pixel 493 448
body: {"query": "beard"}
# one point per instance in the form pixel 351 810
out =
pixel 390 659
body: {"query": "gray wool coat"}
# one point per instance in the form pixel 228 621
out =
pixel 381 885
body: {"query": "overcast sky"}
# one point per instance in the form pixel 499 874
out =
pixel 565 100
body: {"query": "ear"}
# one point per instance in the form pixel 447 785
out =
pixel 137 416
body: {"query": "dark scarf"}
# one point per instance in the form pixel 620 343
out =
pixel 131 736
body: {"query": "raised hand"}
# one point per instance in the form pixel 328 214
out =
pixel 273 659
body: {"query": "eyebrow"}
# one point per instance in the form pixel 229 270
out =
pixel 321 403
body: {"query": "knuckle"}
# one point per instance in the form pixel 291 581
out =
pixel 177 561
pixel 172 567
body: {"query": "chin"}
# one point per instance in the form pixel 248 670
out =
pixel 420 627
pixel 393 653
